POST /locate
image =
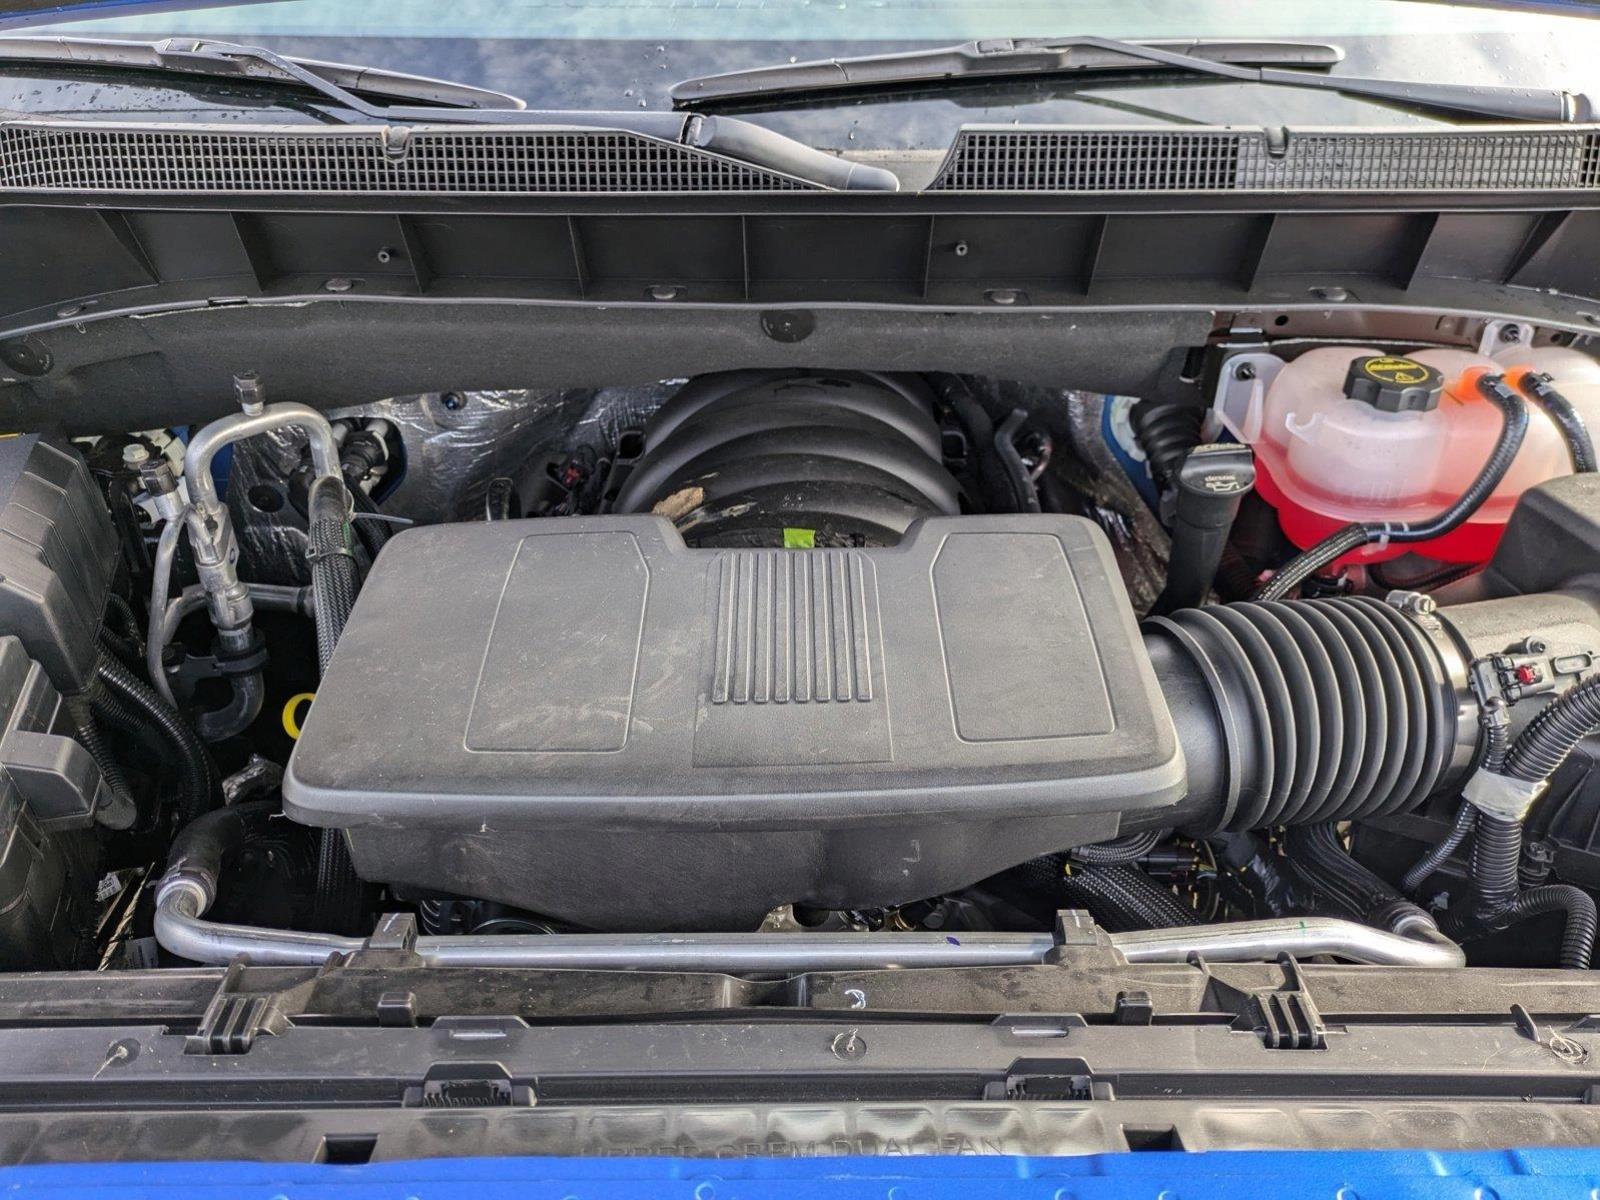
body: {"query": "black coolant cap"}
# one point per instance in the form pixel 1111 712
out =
pixel 1393 384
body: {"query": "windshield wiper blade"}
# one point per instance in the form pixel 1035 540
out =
pixel 442 103
pixel 208 59
pixel 1005 58
pixel 1002 57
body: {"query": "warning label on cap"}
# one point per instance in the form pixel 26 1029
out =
pixel 1402 371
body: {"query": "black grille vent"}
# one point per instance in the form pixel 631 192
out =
pixel 63 157
pixel 1036 161
pixel 1215 160
pixel 1590 176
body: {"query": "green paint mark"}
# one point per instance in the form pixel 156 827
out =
pixel 799 539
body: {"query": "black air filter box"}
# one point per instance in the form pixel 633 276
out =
pixel 584 717
pixel 57 555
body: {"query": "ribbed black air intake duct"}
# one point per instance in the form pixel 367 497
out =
pixel 1307 711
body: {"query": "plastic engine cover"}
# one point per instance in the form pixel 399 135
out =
pixel 584 717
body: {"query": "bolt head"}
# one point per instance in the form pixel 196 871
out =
pixel 849 1046
pixel 1415 603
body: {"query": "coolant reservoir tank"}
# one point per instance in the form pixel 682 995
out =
pixel 1349 434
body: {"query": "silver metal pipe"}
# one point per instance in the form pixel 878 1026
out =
pixel 211 536
pixel 1257 941
pixel 181 930
pixel 739 953
pixel 157 636
pixel 208 443
pixel 216 549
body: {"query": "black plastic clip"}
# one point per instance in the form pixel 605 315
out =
pixel 1285 1018
pixel 234 1018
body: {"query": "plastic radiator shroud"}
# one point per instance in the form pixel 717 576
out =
pixel 586 718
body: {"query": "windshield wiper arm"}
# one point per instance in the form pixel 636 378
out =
pixel 1006 58
pixel 442 103
pixel 208 59
pixel 1002 57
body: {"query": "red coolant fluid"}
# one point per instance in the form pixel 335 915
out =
pixel 1348 434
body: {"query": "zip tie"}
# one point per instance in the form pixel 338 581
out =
pixel 314 555
pixel 1501 796
pixel 389 518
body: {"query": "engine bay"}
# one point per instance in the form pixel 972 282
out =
pixel 815 667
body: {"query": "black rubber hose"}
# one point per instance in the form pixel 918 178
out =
pixel 1308 562
pixel 1123 850
pixel 202 846
pixel 333 567
pixel 1496 850
pixel 338 906
pixel 128 651
pixel 1460 830
pixel 1577 939
pixel 1496 745
pixel 1018 479
pixel 1540 388
pixel 92 738
pixel 128 642
pixel 374 535
pixel 1319 856
pixel 1001 489
pixel 1166 433
pixel 194 772
pixel 1248 859
pixel 1513 428
pixel 1536 755
pixel 132 630
pixel 1124 897
pixel 1498 904
pixel 1552 735
pixel 243 707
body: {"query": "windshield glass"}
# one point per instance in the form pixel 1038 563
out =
pixel 626 54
